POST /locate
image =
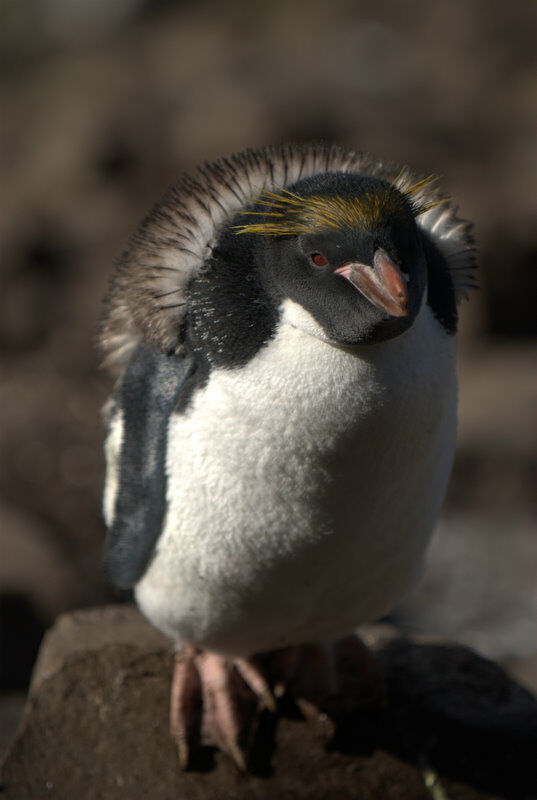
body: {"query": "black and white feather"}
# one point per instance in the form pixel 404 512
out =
pixel 148 298
pixel 272 479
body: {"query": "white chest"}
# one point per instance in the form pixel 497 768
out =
pixel 302 489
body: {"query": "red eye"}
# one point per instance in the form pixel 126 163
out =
pixel 319 260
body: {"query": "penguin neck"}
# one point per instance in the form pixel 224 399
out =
pixel 426 347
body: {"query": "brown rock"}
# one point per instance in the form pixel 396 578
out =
pixel 96 726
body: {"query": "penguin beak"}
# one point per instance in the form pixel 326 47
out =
pixel 383 284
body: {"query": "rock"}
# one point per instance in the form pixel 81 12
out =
pixel 93 630
pixel 462 713
pixel 96 726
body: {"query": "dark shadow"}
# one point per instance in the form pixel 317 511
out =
pixel 462 715
pixel 21 631
pixel 447 709
pixel 261 750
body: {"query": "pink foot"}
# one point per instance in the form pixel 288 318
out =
pixel 216 700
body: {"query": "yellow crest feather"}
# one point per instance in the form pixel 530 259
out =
pixel 289 214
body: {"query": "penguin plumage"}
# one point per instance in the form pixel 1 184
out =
pixel 283 427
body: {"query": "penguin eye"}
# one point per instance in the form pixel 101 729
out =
pixel 319 260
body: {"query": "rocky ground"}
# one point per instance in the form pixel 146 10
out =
pixel 453 726
pixel 104 107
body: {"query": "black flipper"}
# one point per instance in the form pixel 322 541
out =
pixel 148 393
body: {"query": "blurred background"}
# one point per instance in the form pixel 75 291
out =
pixel 104 104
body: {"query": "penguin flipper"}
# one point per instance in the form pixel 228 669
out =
pixel 135 486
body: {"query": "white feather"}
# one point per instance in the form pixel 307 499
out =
pixel 302 488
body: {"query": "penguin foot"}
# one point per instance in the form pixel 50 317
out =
pixel 215 701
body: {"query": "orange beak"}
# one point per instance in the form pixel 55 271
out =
pixel 383 284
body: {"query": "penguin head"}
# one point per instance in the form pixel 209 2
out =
pixel 356 244
pixel 344 247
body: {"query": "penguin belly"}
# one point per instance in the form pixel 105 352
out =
pixel 302 489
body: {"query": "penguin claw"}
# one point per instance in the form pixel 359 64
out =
pixel 252 675
pixel 184 699
pixel 215 702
